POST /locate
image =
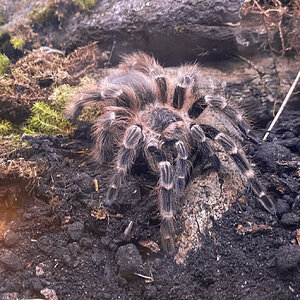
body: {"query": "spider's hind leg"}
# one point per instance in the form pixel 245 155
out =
pixel 105 137
pixel 186 85
pixel 148 65
pixel 75 106
pixel 243 164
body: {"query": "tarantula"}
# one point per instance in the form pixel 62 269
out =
pixel 150 112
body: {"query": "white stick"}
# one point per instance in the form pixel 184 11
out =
pixel 282 106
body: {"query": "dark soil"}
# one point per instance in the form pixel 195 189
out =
pixel 54 242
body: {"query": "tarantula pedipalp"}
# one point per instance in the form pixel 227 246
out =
pixel 152 112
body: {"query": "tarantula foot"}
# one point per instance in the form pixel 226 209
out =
pixel 253 138
pixel 268 204
pixel 167 237
pixel 110 196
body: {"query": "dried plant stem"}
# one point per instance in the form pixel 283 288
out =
pixel 282 106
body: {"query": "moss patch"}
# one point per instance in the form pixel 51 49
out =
pixel 4 64
pixel 5 127
pixel 84 4
pixel 17 42
pixel 43 14
pixel 45 119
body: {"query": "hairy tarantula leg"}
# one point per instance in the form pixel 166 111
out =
pixel 180 91
pixel 162 86
pixel 205 146
pixel 234 116
pixel 166 201
pixel 105 138
pixel 181 167
pixel 149 66
pixel 75 106
pixel 243 164
pixel 124 162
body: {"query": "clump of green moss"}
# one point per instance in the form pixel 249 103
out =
pixel 60 96
pixel 17 42
pixel 5 127
pixel 4 64
pixel 42 15
pixel 84 4
pixel 62 93
pixel 1 18
pixel 45 119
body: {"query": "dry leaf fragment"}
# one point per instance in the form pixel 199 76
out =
pixel 150 245
pixel 252 228
pixel 96 185
pixel 298 236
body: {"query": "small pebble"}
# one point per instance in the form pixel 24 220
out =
pixel 49 294
pixel 269 153
pixel 296 204
pixel 150 292
pixel 11 261
pixel 129 261
pixel 9 296
pixel 290 219
pixel 36 284
pixel 76 230
pixel 107 296
pixel 282 207
pixel 11 239
pixel 287 258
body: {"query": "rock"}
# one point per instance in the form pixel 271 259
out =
pixel 39 269
pixel 11 239
pixel 172 30
pixel 49 294
pixel 129 261
pixel 287 258
pixel 269 153
pixel 289 200
pixel 36 284
pixel 296 204
pixel 86 243
pixel 282 207
pixel 107 296
pixel 45 243
pixel 290 219
pixel 75 230
pixel 11 261
pixel 85 182
pixel 150 292
pixel 9 296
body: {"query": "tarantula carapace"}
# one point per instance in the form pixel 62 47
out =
pixel 150 112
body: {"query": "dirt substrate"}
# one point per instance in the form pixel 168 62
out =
pixel 54 242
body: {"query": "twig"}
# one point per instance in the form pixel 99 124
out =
pixel 128 228
pixel 112 50
pixel 282 106
pixel 259 72
pixel 148 278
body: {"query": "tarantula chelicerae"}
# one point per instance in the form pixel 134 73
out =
pixel 158 115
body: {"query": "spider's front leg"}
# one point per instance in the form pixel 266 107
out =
pixel 205 146
pixel 181 167
pixel 124 161
pixel 166 201
pixel 166 195
pixel 233 115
